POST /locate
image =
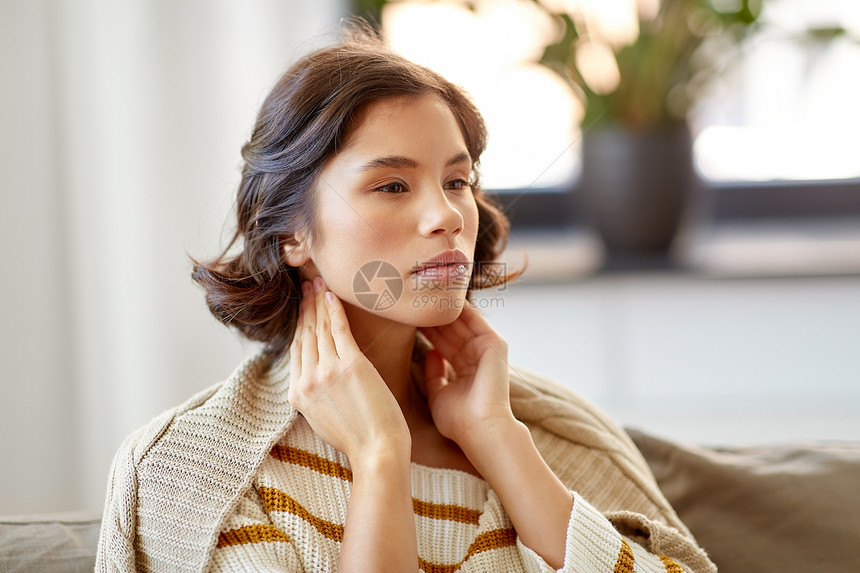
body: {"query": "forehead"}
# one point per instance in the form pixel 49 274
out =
pixel 389 125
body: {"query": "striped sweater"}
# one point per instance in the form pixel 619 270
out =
pixel 236 480
pixel 291 519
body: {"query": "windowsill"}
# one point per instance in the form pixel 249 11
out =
pixel 773 248
pixel 725 355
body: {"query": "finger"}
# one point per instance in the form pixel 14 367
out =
pixel 474 320
pixel 340 332
pixel 442 344
pixel 457 333
pixel 309 315
pixel 460 329
pixel 434 373
pixel 484 332
pixel 296 356
pixel 310 357
pixel 297 334
pixel 434 365
pixel 454 338
pixel 455 353
pixel 325 342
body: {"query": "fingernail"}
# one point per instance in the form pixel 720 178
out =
pixel 329 297
pixel 317 283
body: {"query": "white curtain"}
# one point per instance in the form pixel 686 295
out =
pixel 121 129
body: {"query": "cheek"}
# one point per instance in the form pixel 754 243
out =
pixel 352 244
pixel 470 219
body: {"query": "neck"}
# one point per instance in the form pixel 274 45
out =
pixel 388 345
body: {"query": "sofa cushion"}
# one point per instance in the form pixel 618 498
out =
pixel 786 508
pixel 49 543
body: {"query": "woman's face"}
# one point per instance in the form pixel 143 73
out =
pixel 397 195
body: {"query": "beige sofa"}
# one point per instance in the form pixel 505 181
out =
pixel 787 508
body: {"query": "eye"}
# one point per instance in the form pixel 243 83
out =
pixel 457 185
pixel 394 188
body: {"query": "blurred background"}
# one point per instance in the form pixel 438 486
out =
pixel 720 305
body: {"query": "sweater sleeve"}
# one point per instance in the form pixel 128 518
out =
pixel 116 549
pixel 249 541
pixel 620 542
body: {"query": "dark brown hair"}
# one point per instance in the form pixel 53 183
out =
pixel 301 125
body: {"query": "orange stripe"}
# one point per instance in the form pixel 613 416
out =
pixel 492 540
pixel 312 461
pixel 449 512
pixel 259 533
pixel 429 567
pixel 671 566
pixel 495 539
pixel 625 559
pixel 276 500
pixel 327 467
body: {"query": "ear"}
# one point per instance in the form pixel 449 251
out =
pixel 297 249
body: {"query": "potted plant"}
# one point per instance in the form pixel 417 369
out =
pixel 638 78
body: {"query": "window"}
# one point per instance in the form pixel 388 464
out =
pixel 776 136
pixel 492 51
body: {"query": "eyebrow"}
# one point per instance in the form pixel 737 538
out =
pixel 401 162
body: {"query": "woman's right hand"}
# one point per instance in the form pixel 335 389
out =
pixel 348 404
pixel 335 386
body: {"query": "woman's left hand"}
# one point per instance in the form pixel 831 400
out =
pixel 471 397
pixel 470 403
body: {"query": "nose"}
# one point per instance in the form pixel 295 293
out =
pixel 438 215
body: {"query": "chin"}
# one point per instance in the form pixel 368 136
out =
pixel 415 304
pixel 436 312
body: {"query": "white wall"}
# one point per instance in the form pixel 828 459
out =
pixel 37 381
pixel 122 125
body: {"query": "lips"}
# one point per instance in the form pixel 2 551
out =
pixel 443 264
pixel 446 273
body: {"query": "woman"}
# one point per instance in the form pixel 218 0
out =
pixel 381 429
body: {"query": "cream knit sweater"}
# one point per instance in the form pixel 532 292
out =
pixel 236 480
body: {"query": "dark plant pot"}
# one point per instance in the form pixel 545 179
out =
pixel 635 187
